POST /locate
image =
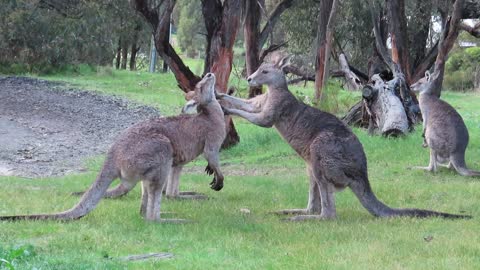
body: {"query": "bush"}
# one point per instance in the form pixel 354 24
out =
pixel 460 80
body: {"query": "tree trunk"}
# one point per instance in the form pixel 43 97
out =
pixel 221 22
pixel 419 38
pixel 220 52
pixel 251 34
pixel 398 35
pixel 134 49
pixel 352 82
pixel 159 19
pixel 119 54
pixel 447 40
pixel 324 40
pixel 124 55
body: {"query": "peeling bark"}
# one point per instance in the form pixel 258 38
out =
pixel 324 44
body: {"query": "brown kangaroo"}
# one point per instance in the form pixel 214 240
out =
pixel 333 154
pixel 149 151
pixel 173 183
pixel 444 130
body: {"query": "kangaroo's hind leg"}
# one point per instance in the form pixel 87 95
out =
pixel 432 166
pixel 172 189
pixel 314 200
pixel 152 196
pixel 327 195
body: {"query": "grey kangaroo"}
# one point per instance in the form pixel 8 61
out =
pixel 444 131
pixel 173 183
pixel 149 151
pixel 334 156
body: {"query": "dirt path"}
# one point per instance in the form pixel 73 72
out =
pixel 47 129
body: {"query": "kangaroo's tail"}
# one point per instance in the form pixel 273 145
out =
pixel 458 161
pixel 368 199
pixel 87 203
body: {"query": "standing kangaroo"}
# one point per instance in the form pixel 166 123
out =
pixel 444 130
pixel 149 151
pixel 334 156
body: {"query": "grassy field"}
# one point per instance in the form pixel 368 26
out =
pixel 262 174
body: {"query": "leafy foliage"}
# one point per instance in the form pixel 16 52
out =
pixel 38 39
pixel 190 28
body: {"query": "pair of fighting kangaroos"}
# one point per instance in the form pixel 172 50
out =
pixel 155 150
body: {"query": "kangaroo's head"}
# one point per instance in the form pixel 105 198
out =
pixel 203 94
pixel 269 74
pixel 422 85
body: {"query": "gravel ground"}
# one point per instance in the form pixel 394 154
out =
pixel 48 129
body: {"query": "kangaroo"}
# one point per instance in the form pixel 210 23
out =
pixel 172 188
pixel 333 155
pixel 444 131
pixel 152 150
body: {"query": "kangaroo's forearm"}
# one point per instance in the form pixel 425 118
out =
pixel 259 119
pixel 237 103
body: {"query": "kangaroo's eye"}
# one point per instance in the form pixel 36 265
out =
pixel 264 71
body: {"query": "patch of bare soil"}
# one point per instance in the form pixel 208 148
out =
pixel 48 129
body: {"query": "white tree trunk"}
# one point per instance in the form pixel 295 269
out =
pixel 388 109
pixel 352 82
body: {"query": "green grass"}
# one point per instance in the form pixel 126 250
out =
pixel 262 174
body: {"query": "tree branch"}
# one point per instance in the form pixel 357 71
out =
pixel 473 30
pixel 447 40
pixel 272 20
pixel 270 49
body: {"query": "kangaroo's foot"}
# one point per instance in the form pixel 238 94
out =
pixel 448 166
pixel 291 212
pixel 189 195
pixel 309 217
pixel 428 168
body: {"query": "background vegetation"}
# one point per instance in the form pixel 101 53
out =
pixel 263 174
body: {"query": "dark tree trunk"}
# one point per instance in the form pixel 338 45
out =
pixel 398 35
pixel 447 40
pixel 221 22
pixel 133 56
pixel 159 18
pixel 124 55
pixel 135 48
pixel 251 33
pixel 419 38
pixel 324 40
pixel 226 19
pixel 118 57
pixel 165 41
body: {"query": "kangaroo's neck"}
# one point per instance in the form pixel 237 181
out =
pixel 213 108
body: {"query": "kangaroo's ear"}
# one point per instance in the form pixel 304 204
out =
pixel 283 62
pixel 427 75
pixel 189 95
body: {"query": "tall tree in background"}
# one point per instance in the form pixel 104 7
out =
pixel 256 38
pixel 324 43
pixel 222 19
